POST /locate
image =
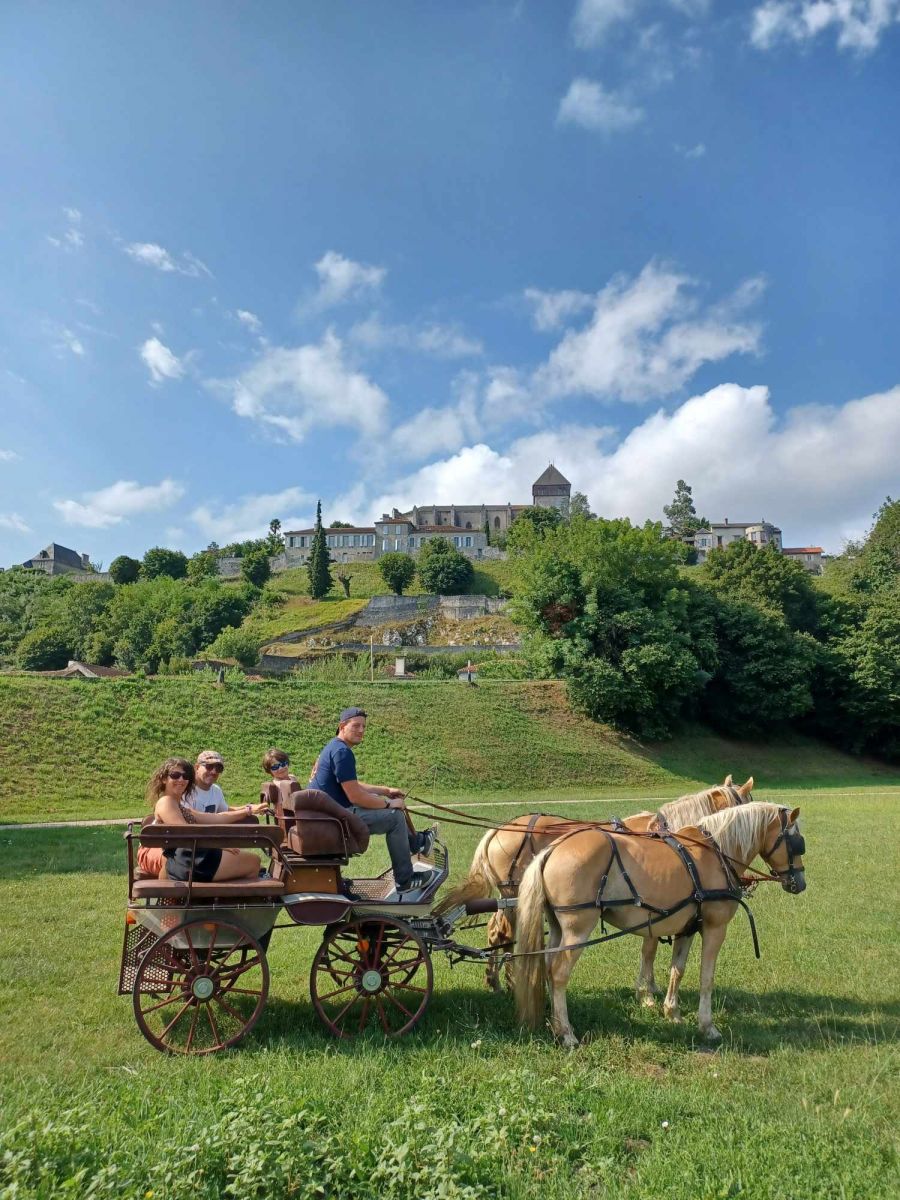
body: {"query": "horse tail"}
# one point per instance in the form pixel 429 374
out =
pixel 531 972
pixel 478 884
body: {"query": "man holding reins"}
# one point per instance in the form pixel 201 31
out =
pixel 382 809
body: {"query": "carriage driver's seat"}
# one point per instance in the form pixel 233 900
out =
pixel 317 828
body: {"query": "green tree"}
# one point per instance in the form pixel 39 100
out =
pixel 204 565
pixel 239 644
pixel 340 525
pixel 530 526
pixel 275 540
pixel 319 565
pixel 580 507
pixel 397 571
pixel 160 561
pixel 124 569
pixel 44 649
pixel 608 611
pixel 767 579
pixel 442 569
pixel 487 530
pixel 681 514
pixel 255 568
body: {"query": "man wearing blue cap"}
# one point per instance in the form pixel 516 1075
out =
pixel 381 808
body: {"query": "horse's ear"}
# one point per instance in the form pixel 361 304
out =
pixel 746 788
pixel 795 813
pixel 729 782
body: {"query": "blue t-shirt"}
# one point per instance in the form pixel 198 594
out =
pixel 336 765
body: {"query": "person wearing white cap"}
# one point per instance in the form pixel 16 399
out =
pixel 206 795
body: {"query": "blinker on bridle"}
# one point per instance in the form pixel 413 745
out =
pixel 794 844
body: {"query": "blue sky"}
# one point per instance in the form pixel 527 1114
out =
pixel 385 253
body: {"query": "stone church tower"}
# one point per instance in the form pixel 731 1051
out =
pixel 552 490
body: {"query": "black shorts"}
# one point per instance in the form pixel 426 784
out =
pixel 206 863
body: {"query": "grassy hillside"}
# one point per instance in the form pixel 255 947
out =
pixel 77 749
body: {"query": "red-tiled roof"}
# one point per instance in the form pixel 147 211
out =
pixel 802 550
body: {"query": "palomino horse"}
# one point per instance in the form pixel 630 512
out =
pixel 677 882
pixel 504 854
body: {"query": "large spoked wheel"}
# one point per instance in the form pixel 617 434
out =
pixel 371 974
pixel 201 988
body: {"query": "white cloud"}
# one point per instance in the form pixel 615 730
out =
pixel 590 105
pixel 75 238
pixel 114 504
pixel 249 319
pixel 72 215
pixel 341 279
pixel 68 341
pixel 441 341
pixel 8 456
pixel 250 516
pixel 553 309
pixel 594 18
pixel 152 255
pixel 295 389
pixel 819 473
pixel 647 337
pixel 160 361
pixel 691 152
pixel 858 24
pixel 14 522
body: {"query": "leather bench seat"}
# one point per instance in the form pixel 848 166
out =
pixel 164 888
pixel 316 826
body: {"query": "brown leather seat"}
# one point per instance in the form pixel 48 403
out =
pixel 316 825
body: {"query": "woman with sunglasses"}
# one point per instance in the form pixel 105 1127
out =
pixel 166 792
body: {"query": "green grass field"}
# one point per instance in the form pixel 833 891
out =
pixel 80 750
pixel 799 1102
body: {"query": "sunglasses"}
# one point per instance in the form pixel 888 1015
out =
pixel 217 767
pixel 178 775
pixel 279 766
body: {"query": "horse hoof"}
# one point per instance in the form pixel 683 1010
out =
pixel 647 1000
pixel 673 1015
pixel 569 1041
pixel 711 1034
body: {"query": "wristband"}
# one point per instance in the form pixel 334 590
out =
pixel 387 803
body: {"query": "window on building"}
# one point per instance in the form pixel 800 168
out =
pixel 468 524
pixel 496 522
pixel 468 539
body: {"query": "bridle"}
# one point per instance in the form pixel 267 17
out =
pixel 795 847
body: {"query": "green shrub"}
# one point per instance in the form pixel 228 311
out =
pixel 44 649
pixel 240 644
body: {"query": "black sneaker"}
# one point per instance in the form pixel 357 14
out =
pixel 428 836
pixel 412 893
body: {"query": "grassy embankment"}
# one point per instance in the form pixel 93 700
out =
pixel 85 750
pixel 301 612
pixel 799 1102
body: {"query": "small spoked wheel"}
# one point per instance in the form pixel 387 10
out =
pixel 374 974
pixel 201 988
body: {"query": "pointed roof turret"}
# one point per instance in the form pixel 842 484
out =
pixel 552 476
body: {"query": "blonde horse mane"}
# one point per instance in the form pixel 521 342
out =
pixel 739 831
pixel 688 810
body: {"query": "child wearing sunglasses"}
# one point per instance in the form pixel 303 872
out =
pixel 166 791
pixel 277 764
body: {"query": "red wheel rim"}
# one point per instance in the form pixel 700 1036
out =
pixel 201 988
pixel 371 975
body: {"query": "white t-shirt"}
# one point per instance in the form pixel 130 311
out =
pixel 211 800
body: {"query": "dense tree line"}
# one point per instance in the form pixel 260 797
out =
pixel 748 642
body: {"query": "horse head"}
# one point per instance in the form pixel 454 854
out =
pixel 783 850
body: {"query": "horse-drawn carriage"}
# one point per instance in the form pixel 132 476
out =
pixel 195 954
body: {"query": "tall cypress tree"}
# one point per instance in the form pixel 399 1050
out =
pixel 320 581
